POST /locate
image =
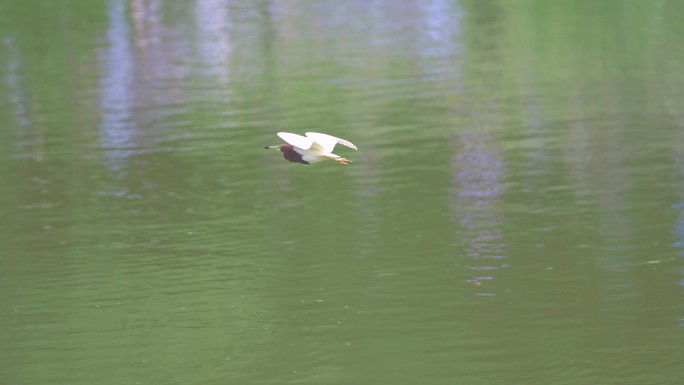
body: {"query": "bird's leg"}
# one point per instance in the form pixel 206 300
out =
pixel 342 160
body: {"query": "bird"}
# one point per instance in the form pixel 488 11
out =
pixel 312 148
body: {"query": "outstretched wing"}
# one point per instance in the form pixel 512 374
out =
pixel 296 140
pixel 328 142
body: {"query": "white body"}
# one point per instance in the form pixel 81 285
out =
pixel 315 147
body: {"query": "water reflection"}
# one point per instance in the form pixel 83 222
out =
pixel 476 191
pixel 213 39
pixel 117 128
pixel 15 90
pixel 439 31
pixel 678 229
pixel 146 16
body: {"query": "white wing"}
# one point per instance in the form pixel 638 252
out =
pixel 296 140
pixel 328 142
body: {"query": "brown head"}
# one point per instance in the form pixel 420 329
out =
pixel 288 153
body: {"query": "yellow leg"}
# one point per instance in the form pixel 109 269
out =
pixel 342 161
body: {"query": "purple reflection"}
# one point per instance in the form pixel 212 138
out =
pixel 13 80
pixel 440 28
pixel 479 173
pixel 416 29
pixel 678 230
pixel 117 129
pixel 213 39
pixel 476 191
pixel 146 15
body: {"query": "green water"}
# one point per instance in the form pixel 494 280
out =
pixel 514 214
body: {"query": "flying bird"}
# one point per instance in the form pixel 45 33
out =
pixel 312 148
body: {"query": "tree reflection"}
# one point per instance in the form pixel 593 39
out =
pixel 476 191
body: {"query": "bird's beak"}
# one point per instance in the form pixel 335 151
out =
pixel 272 147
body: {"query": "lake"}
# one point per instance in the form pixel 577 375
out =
pixel 514 213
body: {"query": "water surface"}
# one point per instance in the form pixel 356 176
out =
pixel 514 213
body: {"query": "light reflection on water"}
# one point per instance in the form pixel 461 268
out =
pixel 475 204
pixel 13 81
pixel 117 127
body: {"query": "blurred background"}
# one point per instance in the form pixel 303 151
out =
pixel 514 214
